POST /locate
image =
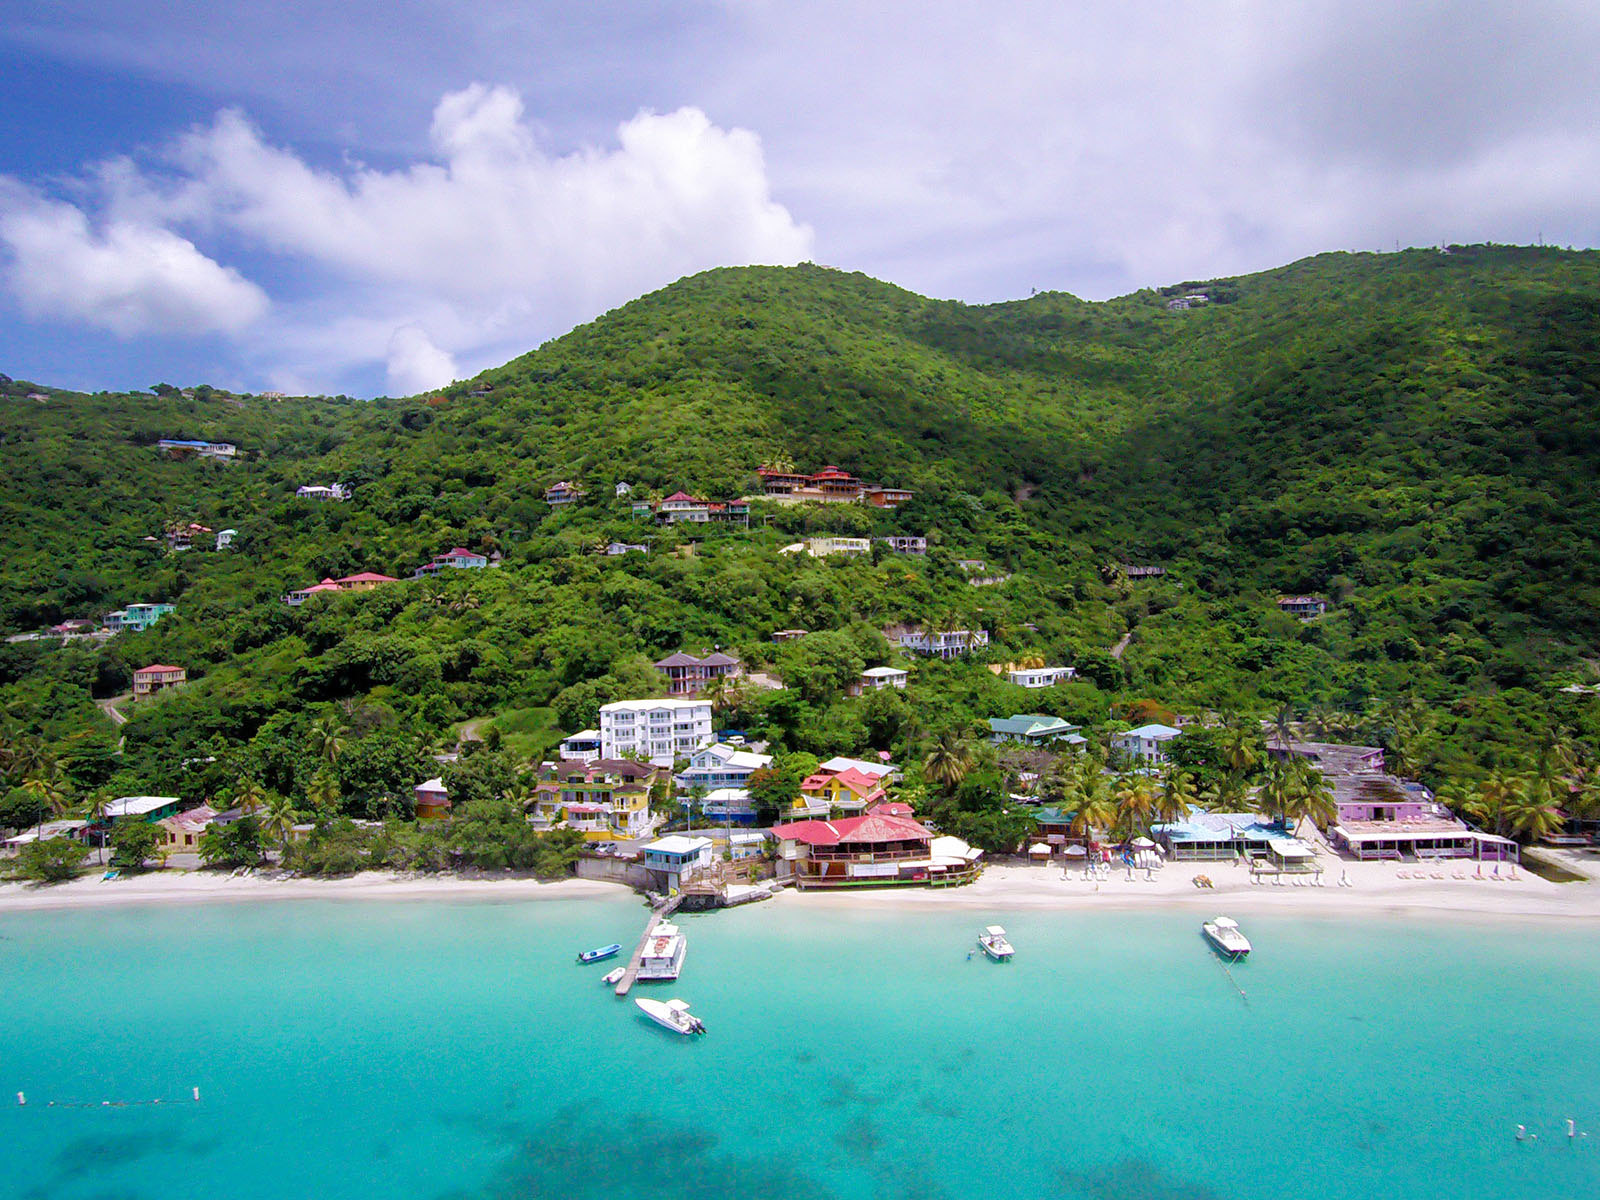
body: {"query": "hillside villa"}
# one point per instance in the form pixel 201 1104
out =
pixel 946 644
pixel 875 679
pixel 184 448
pixel 1035 677
pixel 658 729
pixel 688 675
pixel 680 508
pixel 1148 743
pixel 831 485
pixel 457 558
pixel 137 617
pixel 157 677
pixel 871 850
pixel 558 494
pixel 905 545
pixel 181 537
pixel 720 765
pixel 317 491
pixel 364 582
pixel 1034 729
pixel 1304 607
pixel 788 635
pixel 604 800
pixel 849 791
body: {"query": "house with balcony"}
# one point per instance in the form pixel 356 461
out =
pixel 1034 729
pixel 939 643
pixel 560 494
pixel 905 545
pixel 687 675
pixel 605 799
pixel 457 559
pixel 1147 744
pixel 335 492
pixel 225 538
pixel 875 849
pixel 721 766
pixel 849 791
pixel 886 497
pixel 660 730
pixel 137 618
pixel 1304 607
pixel 674 860
pixel 821 547
pixel 157 677
pixel 583 746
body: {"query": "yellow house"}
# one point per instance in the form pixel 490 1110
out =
pixel 180 833
pixel 849 791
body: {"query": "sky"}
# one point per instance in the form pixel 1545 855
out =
pixel 375 199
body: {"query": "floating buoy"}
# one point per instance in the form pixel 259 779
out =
pixel 21 1099
pixel 197 1095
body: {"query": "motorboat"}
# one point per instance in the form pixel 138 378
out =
pixel 993 941
pixel 663 955
pixel 673 1015
pixel 589 956
pixel 1223 933
pixel 613 976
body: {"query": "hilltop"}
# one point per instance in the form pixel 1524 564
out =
pixel 1412 436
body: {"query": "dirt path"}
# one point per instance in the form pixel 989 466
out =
pixel 1116 651
pixel 109 707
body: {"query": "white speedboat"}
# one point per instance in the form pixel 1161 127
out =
pixel 673 1015
pixel 1223 933
pixel 993 941
pixel 663 955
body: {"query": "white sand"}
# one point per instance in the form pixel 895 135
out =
pixel 194 887
pixel 1377 889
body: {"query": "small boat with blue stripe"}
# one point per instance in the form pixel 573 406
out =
pixel 611 951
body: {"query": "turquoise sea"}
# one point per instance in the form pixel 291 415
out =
pixel 454 1051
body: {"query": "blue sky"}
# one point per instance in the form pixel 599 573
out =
pixel 372 199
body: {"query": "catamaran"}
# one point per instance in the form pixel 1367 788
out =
pixel 1223 933
pixel 993 941
pixel 663 955
pixel 673 1015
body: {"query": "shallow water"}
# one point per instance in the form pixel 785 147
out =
pixel 455 1051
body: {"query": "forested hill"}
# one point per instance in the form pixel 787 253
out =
pixel 1411 435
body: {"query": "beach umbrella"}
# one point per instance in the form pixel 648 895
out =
pixel 1075 852
pixel 1143 843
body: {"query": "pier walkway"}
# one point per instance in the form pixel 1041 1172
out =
pixel 625 984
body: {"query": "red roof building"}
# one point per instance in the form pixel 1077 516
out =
pixel 877 849
pixel 147 681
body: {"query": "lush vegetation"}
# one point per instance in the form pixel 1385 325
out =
pixel 1413 436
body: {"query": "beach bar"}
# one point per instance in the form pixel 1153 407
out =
pixel 871 851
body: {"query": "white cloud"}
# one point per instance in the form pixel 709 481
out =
pixel 415 363
pixel 127 277
pixel 493 244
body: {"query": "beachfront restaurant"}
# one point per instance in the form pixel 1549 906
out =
pixel 1420 841
pixel 1219 837
pixel 871 851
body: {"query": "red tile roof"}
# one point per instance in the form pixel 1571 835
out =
pixel 871 829
pixel 156 667
pixel 369 577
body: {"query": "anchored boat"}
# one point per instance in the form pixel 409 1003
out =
pixel 673 1015
pixel 663 954
pixel 1224 934
pixel 613 976
pixel 589 956
pixel 994 943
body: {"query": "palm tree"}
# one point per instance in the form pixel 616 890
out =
pixel 1136 802
pixel 1283 727
pixel 1274 796
pixel 47 791
pixel 326 742
pixel 949 762
pixel 323 793
pixel 1534 814
pixel 1496 798
pixel 1241 744
pixel 1096 811
pixel 249 795
pixel 279 822
pixel 1308 796
pixel 1176 796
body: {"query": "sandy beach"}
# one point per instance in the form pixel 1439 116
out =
pixel 1448 892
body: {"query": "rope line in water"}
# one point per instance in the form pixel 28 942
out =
pixel 22 1102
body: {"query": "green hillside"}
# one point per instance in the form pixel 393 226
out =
pixel 1412 436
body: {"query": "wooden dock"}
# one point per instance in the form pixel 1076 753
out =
pixel 625 984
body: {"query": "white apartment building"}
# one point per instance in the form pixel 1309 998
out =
pixel 947 643
pixel 660 730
